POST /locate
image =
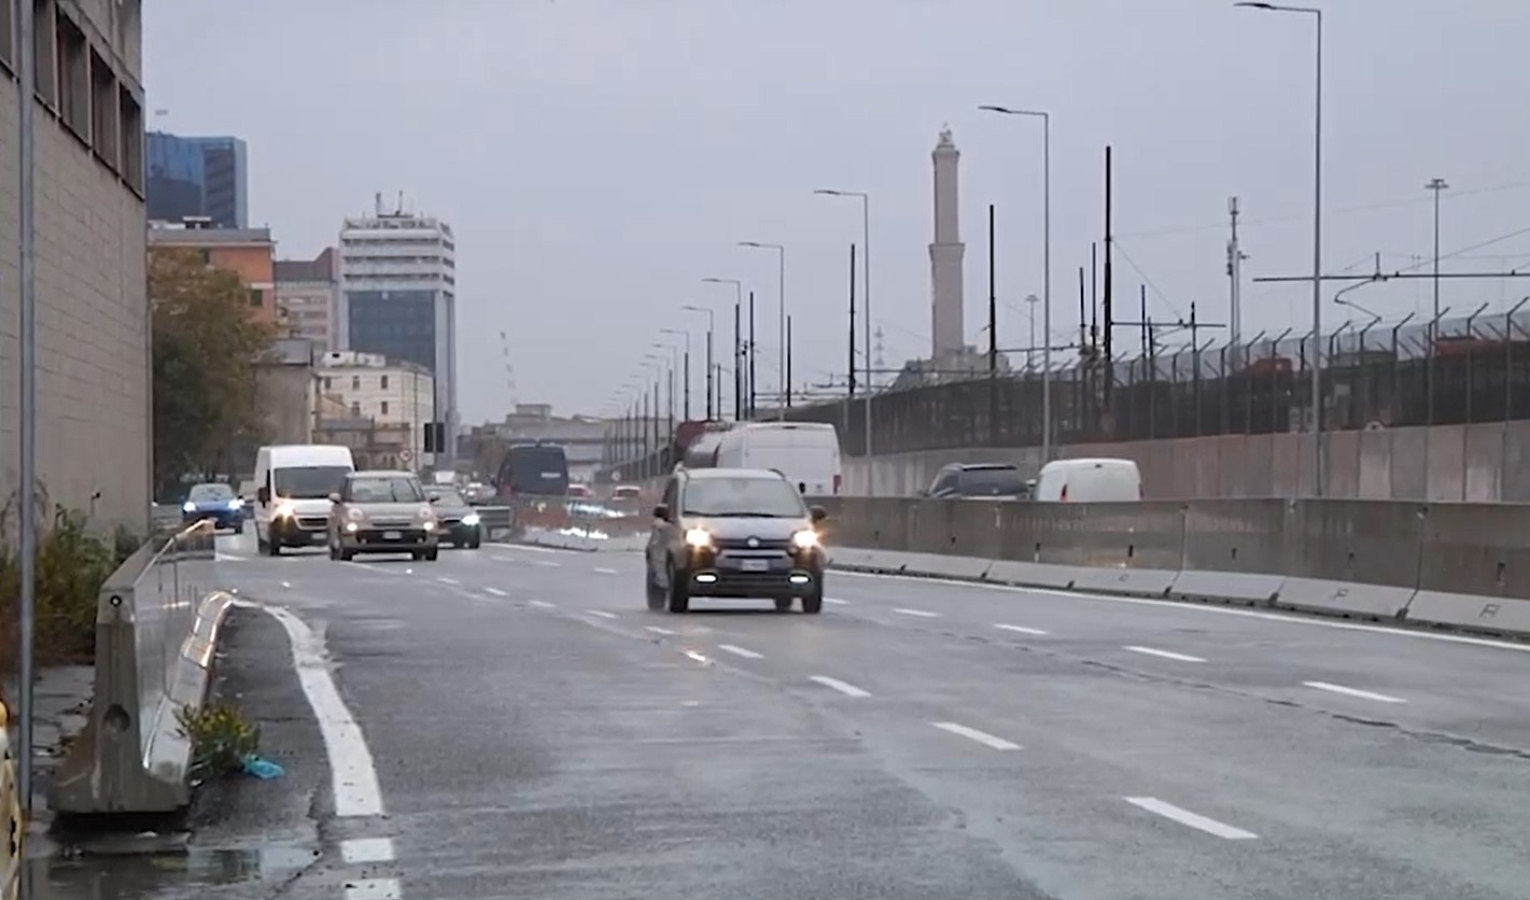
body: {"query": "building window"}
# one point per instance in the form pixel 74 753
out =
pixel 383 407
pixel 130 123
pixel 355 382
pixel 73 76
pixel 385 382
pixel 103 111
pixel 327 384
pixel 356 410
pixel 257 297
pixel 45 67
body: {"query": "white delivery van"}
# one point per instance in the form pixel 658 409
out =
pixel 1089 481
pixel 807 453
pixel 292 487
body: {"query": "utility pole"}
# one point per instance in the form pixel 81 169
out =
pixel 788 364
pixel 993 336
pixel 852 328
pixel 1110 369
pixel 1235 258
pixel 738 364
pixel 1437 185
pixel 752 351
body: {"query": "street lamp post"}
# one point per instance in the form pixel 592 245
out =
pixel 738 304
pixel 1317 235
pixel 1046 269
pixel 1437 185
pixel 866 290
pixel 710 323
pixel 685 367
pixel 781 319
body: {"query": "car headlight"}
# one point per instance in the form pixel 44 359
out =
pixel 805 539
pixel 428 526
pixel 352 527
pixel 698 537
pixel 470 519
pixel 188 506
pixel 284 511
pixel 236 503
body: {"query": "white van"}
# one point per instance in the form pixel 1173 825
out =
pixel 1089 481
pixel 292 487
pixel 807 453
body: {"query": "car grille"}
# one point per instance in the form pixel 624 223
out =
pixel 743 544
pixel 449 523
pixel 391 523
pixel 314 523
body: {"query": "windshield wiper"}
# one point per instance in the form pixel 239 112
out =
pixel 733 515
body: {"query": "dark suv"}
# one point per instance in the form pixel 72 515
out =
pixel 734 533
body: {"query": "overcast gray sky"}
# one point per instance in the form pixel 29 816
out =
pixel 598 157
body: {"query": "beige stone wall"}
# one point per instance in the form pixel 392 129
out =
pixel 94 413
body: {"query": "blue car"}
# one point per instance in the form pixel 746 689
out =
pixel 217 502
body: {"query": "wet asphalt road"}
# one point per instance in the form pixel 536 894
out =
pixel 537 733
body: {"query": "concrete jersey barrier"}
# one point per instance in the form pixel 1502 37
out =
pixel 1460 565
pixel 157 625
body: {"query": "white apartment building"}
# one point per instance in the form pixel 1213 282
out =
pixel 397 297
pixel 94 414
pixel 392 394
pixel 307 292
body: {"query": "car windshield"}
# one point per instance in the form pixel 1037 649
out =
pixel 991 482
pixel 385 489
pixel 210 493
pixel 308 482
pixel 446 497
pixel 754 497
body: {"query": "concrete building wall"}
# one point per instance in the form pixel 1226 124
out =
pixel 94 410
pixel 397 396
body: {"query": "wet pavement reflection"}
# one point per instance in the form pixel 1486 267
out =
pixel 163 875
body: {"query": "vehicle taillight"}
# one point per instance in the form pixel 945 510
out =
pixel 839 481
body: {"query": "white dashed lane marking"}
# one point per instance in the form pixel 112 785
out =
pixel 982 737
pixel 849 690
pixel 921 613
pixel 1164 654
pixel 1353 692
pixel 495 591
pixel 1020 629
pixel 366 850
pixel 1193 820
pixel 740 651
pixel 602 613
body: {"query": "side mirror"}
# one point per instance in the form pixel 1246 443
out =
pixel 263 495
pixel 661 511
pixel 818 513
pixel 334 498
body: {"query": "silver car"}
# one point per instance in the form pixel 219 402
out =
pixel 382 512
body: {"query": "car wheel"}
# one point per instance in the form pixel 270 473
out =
pixel 679 596
pixel 784 605
pixel 273 548
pixel 812 602
pixel 239 527
pixel 476 541
pixel 346 555
pixel 432 554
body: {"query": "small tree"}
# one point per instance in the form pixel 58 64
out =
pixel 206 345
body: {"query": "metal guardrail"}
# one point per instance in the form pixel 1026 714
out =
pixel 1462 565
pixel 157 624
pixel 496 521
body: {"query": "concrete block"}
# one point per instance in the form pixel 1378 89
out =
pixel 1471 612
pixel 938 565
pixel 1344 597
pixel 1237 587
pixel 1032 574
pixel 1131 582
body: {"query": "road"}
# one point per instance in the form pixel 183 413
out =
pixel 536 732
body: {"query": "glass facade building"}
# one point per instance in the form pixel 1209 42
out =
pixel 197 176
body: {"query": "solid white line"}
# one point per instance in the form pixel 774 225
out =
pixel 1352 692
pixel 845 688
pixel 923 614
pixel 1204 608
pixel 836 601
pixel 602 613
pixel 528 548
pixel 366 850
pixel 982 737
pixel 444 580
pixel 495 591
pixel 604 571
pixel 542 604
pixel 1185 817
pixel 1165 654
pixel 373 889
pixel 355 788
pixel 740 651
pixel 657 630
pixel 1021 629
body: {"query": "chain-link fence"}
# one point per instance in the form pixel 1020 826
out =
pixel 1376 375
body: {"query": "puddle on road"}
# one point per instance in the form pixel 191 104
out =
pixel 164 876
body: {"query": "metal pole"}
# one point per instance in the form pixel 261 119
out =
pixel 1317 265
pixel 28 429
pixel 710 406
pixel 687 377
pixel 1046 293
pixel 1436 185
pixel 781 334
pixel 868 391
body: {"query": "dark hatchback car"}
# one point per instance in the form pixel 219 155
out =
pixel 215 501
pixel 737 533
pixel 458 519
pixel 993 481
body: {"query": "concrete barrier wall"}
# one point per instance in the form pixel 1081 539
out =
pixel 1485 463
pixel 157 625
pixel 1456 564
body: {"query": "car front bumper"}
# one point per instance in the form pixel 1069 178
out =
pixel 773 576
pixel 222 518
pixel 387 540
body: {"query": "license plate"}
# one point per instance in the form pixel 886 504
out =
pixel 392 535
pixel 756 565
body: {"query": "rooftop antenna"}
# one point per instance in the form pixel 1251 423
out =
pixel 377 203
pixel 400 202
